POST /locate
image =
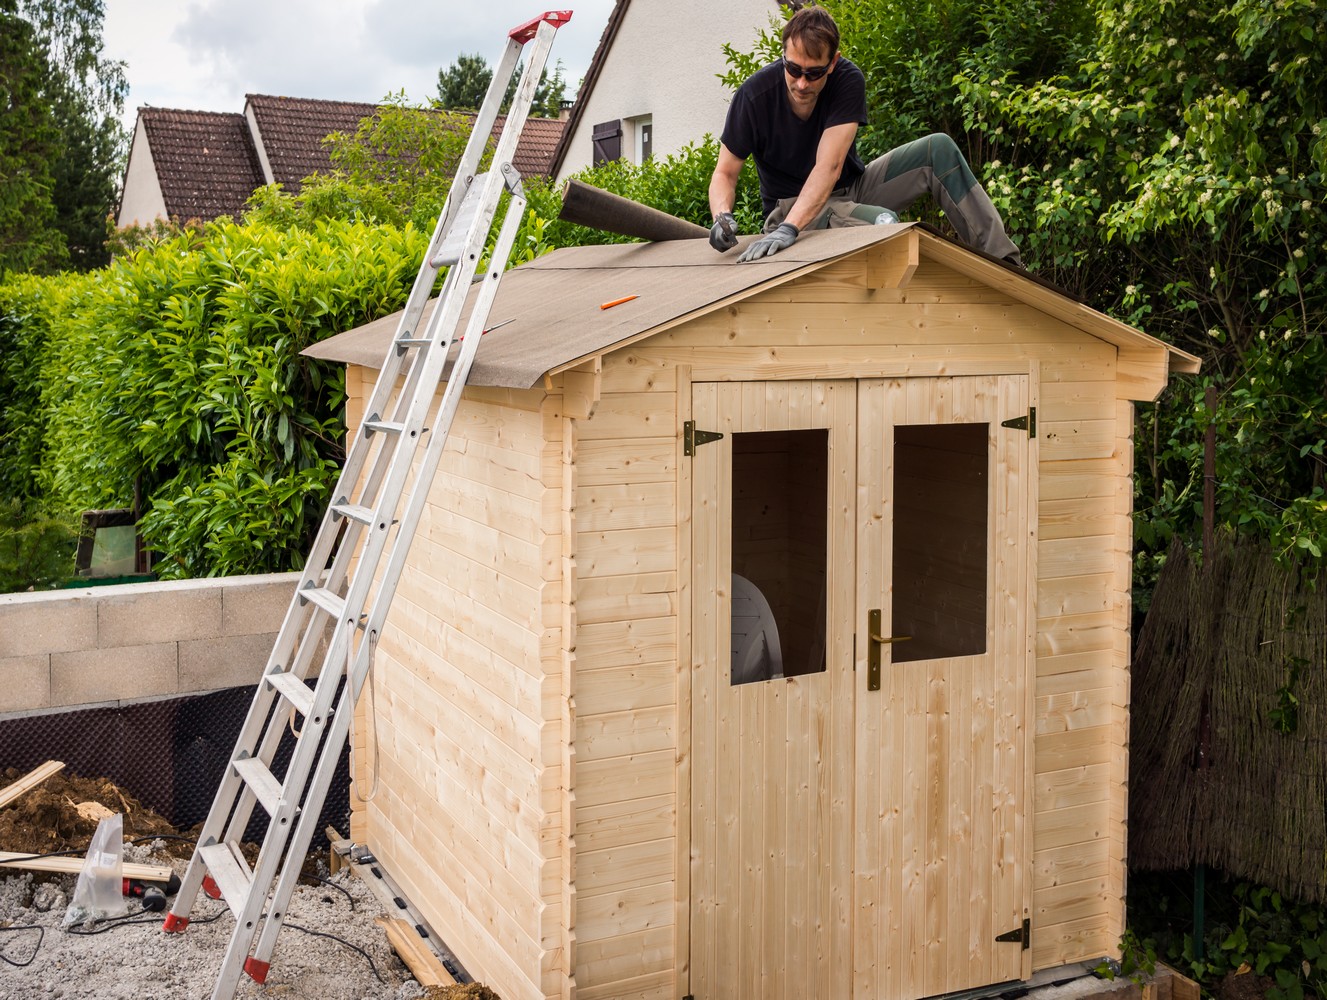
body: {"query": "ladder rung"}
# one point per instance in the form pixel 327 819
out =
pixel 413 342
pixel 354 511
pixel 385 426
pixel 294 690
pixel 261 782
pixel 325 599
pixel 230 872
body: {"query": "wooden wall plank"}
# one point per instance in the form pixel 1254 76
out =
pixel 621 823
pixel 613 960
pixel 1074 825
pixel 635 550
pixel 634 595
pixel 614 734
pixel 1071 863
pixel 626 506
pixel 617 779
pixel 614 868
pixel 621 415
pixel 625 911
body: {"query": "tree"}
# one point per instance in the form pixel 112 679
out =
pixel 85 93
pixel 29 140
pixel 463 84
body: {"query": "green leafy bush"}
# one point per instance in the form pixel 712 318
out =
pixel 176 375
pixel 36 546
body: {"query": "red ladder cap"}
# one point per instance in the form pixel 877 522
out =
pixel 524 32
pixel 257 970
pixel 174 924
pixel 210 887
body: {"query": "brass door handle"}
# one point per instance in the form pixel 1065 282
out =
pixel 873 649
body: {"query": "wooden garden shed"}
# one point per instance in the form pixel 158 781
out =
pixel 767 634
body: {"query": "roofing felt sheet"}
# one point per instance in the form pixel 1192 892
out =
pixel 551 306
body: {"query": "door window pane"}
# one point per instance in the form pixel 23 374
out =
pixel 779 519
pixel 941 482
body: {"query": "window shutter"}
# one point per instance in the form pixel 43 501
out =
pixel 607 141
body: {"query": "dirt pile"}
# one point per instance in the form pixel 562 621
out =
pixel 48 818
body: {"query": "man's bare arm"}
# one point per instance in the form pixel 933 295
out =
pixel 723 182
pixel 830 154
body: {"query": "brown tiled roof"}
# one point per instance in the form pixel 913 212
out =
pixel 292 130
pixel 205 161
pixel 534 153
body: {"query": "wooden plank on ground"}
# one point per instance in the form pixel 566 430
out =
pixel 72 866
pixel 425 966
pixel 29 781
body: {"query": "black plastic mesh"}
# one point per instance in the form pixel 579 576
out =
pixel 170 755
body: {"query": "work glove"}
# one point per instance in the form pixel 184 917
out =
pixel 781 239
pixel 723 234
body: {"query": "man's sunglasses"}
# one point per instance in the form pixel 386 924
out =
pixel 812 73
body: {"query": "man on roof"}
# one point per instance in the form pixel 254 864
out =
pixel 798 117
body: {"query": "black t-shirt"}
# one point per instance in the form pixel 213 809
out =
pixel 761 123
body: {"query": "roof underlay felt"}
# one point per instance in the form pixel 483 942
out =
pixel 547 315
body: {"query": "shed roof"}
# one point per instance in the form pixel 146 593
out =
pixel 204 160
pixel 552 318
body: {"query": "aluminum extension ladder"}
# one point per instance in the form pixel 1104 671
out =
pixel 356 536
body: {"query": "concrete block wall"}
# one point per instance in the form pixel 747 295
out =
pixel 104 645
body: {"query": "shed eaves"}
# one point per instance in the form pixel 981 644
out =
pixel 552 318
pixel 204 160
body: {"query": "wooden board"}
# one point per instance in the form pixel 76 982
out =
pixel 29 781
pixel 425 966
pixel 72 866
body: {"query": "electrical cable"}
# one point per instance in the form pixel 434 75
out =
pixel 114 923
pixel 41 936
pixel 341 889
pixel 333 937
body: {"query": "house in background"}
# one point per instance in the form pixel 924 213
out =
pixel 205 164
pixel 653 84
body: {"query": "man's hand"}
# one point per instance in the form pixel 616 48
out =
pixel 781 239
pixel 723 234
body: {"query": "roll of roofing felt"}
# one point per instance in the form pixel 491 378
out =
pixel 584 205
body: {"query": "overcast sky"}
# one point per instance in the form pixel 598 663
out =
pixel 205 55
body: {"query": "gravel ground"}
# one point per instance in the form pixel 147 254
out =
pixel 138 961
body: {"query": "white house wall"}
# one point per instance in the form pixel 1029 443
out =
pixel 142 200
pixel 663 66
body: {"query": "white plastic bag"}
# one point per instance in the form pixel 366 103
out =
pixel 99 893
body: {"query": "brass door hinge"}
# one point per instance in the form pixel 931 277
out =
pixel 1027 423
pixel 1022 934
pixel 693 439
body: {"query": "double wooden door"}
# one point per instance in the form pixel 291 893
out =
pixel 861 647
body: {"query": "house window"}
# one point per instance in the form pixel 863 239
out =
pixel 607 138
pixel 644 139
pixel 780 499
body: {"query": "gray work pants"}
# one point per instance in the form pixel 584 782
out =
pixel 930 165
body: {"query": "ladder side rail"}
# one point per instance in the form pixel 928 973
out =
pixel 442 421
pixel 522 101
pixel 383 387
pixel 421 379
pixel 443 323
pixel 308 821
